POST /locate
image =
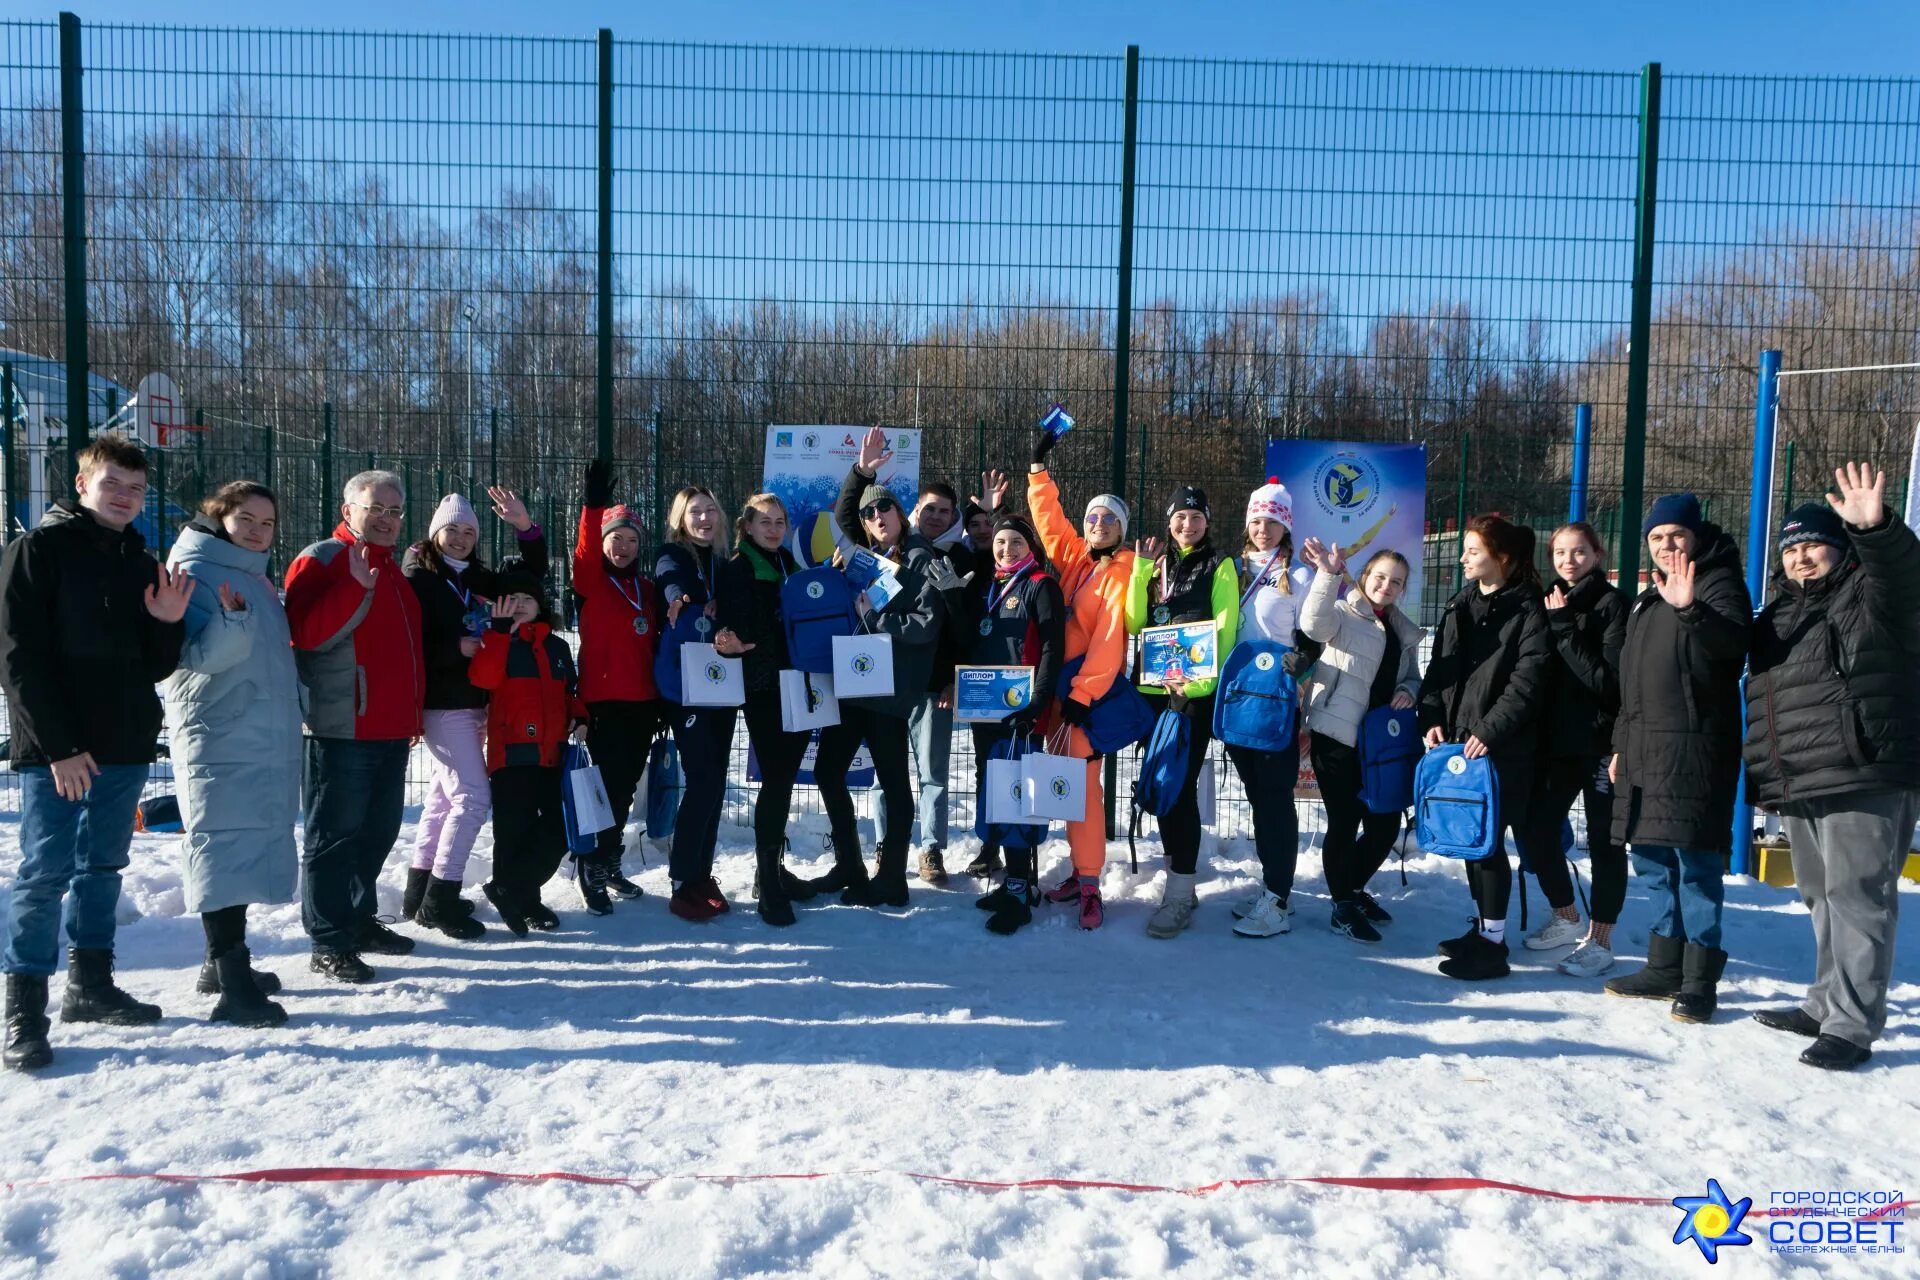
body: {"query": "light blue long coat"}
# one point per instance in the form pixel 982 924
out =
pixel 233 711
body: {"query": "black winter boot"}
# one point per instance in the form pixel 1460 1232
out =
pixel 343 966
pixel 27 1026
pixel 1478 960
pixel 416 890
pixel 888 888
pixel 849 871
pixel 91 995
pixel 377 939
pixel 1796 1020
pixel 1660 980
pixel 593 875
pixel 440 909
pixel 1700 970
pixel 209 982
pixel 1831 1053
pixel 241 1001
pixel 775 909
pixel 539 915
pixel 511 914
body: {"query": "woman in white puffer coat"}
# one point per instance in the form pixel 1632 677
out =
pixel 1371 659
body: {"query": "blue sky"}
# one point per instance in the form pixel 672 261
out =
pixel 1862 37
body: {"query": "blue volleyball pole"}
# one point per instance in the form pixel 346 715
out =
pixel 1759 537
pixel 1582 452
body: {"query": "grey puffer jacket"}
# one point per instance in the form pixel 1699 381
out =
pixel 1339 684
pixel 233 710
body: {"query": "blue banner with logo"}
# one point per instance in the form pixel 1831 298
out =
pixel 805 465
pixel 1365 497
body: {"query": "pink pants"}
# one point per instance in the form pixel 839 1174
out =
pixel 458 796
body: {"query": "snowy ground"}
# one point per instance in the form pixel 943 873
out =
pixel 865 1045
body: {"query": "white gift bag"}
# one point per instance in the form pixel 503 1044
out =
pixel 807 702
pixel 592 810
pixel 708 678
pixel 1006 795
pixel 1053 788
pixel 862 666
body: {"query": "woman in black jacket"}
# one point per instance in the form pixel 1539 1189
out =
pixel 1016 618
pixel 1483 689
pixel 747 612
pixel 456 589
pixel 1833 745
pixel 1587 622
pixel 1677 749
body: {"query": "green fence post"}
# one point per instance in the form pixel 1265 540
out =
pixel 493 470
pixel 1786 497
pixel 73 223
pixel 160 497
pixel 1633 455
pixel 10 424
pixel 1123 305
pixel 603 365
pixel 267 432
pixel 326 460
pixel 1460 507
pixel 657 517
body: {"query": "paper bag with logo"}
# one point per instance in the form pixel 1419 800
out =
pixel 807 702
pixel 862 666
pixel 1005 795
pixel 587 808
pixel 1053 788
pixel 709 678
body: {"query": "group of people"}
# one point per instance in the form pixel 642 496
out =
pixel 307 703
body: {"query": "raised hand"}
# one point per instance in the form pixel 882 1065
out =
pixel 1861 495
pixel 167 598
pixel 1677 587
pixel 360 565
pixel 599 490
pixel 873 451
pixel 994 484
pixel 230 600
pixel 1556 599
pixel 1147 548
pixel 508 506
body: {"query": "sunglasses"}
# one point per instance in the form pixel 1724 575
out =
pixel 878 507
pixel 1100 515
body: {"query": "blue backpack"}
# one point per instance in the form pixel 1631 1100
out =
pixel 666 659
pixel 1389 751
pixel 1456 804
pixel 1163 774
pixel 815 606
pixel 1008 835
pixel 1121 717
pixel 1255 704
pixel 664 785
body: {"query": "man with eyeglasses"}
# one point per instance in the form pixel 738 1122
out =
pixel 356 633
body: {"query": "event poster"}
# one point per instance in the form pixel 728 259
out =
pixel 1364 497
pixel 805 465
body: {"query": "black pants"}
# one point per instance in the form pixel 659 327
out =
pixel 1358 839
pixel 1269 778
pixel 1560 782
pixel 1491 878
pixel 886 739
pixel 780 754
pixel 619 735
pixel 355 794
pixel 705 738
pixel 226 929
pixel 529 830
pixel 1180 826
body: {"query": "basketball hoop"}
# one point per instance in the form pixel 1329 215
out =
pixel 156 411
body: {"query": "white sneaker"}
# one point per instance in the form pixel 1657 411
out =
pixel 1589 960
pixel 1251 903
pixel 1556 932
pixel 1176 908
pixel 1268 917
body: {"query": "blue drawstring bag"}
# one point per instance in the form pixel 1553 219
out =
pixel 1163 775
pixel 1121 717
pixel 1389 749
pixel 664 785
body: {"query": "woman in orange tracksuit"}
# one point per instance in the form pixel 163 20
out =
pixel 1094 568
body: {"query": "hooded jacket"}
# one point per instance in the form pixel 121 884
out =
pixel 233 721
pixel 620 621
pixel 79 653
pixel 447 597
pixel 1677 738
pixel 357 648
pixel 1337 692
pixel 1095 588
pixel 533 689
pixel 1487 677
pixel 1833 685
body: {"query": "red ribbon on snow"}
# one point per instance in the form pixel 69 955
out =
pixel 1362 1183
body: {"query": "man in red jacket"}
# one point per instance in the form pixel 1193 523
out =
pixel 356 636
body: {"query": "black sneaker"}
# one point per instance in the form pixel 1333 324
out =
pixel 1453 948
pixel 1795 1020
pixel 594 878
pixel 1482 959
pixel 343 966
pixel 382 941
pixel 995 900
pixel 1831 1053
pixel 1010 916
pixel 621 887
pixel 1350 918
pixel 1372 910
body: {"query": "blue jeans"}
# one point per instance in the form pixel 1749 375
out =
pixel 930 733
pixel 69 844
pixel 1686 889
pixel 354 794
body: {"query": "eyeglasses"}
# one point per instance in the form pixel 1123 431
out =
pixel 392 513
pixel 878 507
pixel 1100 515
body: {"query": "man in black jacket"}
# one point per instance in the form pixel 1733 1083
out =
pixel 88 624
pixel 1833 745
pixel 1677 750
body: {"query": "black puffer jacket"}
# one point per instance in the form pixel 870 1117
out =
pixel 1583 679
pixel 1833 694
pixel 446 597
pixel 748 604
pixel 917 618
pixel 1678 735
pixel 1486 678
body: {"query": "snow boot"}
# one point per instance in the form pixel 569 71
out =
pixel 416 891
pixel 617 882
pixel 92 995
pixel 241 1001
pixel 775 908
pixel 342 966
pixel 933 865
pixel 539 915
pixel 1699 997
pixel 511 914
pixel 849 870
pixel 27 1026
pixel 1796 1020
pixel 888 888
pixel 1660 980
pixel 1176 907
pixel 1012 913
pixel 593 875
pixel 209 982
pixel 710 888
pixel 1481 959
pixel 1831 1053
pixel 440 909
pixel 382 941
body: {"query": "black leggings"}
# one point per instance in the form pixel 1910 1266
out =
pixel 705 738
pixel 779 754
pixel 619 735
pixel 226 929
pixel 1358 839
pixel 1180 826
pixel 1269 778
pixel 1561 781
pixel 1491 878
pixel 886 739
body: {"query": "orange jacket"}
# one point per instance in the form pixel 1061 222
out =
pixel 1096 592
